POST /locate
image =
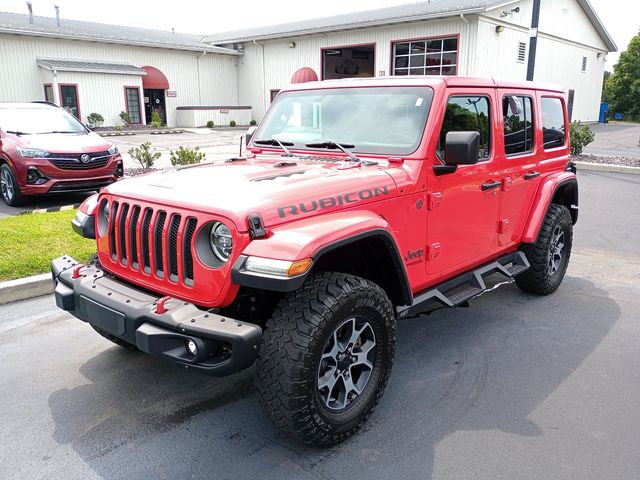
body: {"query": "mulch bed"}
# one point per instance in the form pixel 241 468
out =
pixel 607 160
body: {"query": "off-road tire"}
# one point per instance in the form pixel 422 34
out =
pixel 293 342
pixel 538 279
pixel 114 339
pixel 17 198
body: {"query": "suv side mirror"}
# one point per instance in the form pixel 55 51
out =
pixel 90 126
pixel 249 134
pixel 462 148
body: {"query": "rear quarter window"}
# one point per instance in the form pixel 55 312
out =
pixel 553 128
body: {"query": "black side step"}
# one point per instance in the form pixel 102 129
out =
pixel 466 286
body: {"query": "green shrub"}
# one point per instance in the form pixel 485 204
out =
pixel 232 123
pixel 118 128
pixel 186 156
pixel 124 116
pixel 156 120
pixel 210 124
pixel 95 119
pixel 144 156
pixel 581 136
pixel 253 123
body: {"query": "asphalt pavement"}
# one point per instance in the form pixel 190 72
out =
pixel 514 387
pixel 615 140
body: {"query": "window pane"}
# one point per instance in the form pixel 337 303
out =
pixel 417 47
pixel 402 71
pixel 518 124
pixel 433 71
pixel 449 70
pixel 433 60
pixel 133 104
pixel 417 60
pixel 450 44
pixel 402 48
pixel 434 45
pixel 402 62
pixel 449 59
pixel 417 71
pixel 552 122
pixel 465 114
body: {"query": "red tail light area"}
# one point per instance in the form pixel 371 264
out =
pixel 154 246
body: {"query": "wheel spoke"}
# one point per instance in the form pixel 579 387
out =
pixel 361 359
pixel 349 386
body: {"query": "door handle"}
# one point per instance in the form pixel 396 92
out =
pixel 490 186
pixel 530 175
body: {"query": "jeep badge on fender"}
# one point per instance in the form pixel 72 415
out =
pixel 303 255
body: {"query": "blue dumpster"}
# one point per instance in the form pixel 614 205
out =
pixel 604 108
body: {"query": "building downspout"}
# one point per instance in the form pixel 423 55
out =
pixel 464 19
pixel 533 39
pixel 264 82
pixel 56 90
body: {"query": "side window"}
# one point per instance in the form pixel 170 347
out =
pixel 553 131
pixel 518 124
pixel 465 114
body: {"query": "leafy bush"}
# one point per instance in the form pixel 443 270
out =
pixel 253 123
pixel 118 128
pixel 210 124
pixel 581 136
pixel 156 120
pixel 232 123
pixel 95 119
pixel 144 156
pixel 186 156
pixel 126 119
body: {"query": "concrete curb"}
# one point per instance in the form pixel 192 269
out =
pixel 25 288
pixel 601 167
pixel 62 208
pixel 115 134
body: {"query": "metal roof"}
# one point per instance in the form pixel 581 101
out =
pixel 386 16
pixel 63 65
pixel 18 24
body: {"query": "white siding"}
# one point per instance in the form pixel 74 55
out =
pixel 281 62
pixel 197 79
pixel 219 116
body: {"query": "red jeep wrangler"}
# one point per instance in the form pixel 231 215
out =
pixel 359 202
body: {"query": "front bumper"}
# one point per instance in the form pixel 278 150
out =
pixel 224 345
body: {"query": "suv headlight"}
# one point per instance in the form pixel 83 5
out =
pixel 112 150
pixel 221 241
pixel 32 152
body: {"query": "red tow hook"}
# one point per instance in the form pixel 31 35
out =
pixel 76 270
pixel 160 308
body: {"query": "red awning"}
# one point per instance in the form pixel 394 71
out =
pixel 154 79
pixel 304 75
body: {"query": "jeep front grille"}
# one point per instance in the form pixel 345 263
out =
pixel 158 242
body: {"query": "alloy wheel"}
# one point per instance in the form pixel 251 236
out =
pixel 556 250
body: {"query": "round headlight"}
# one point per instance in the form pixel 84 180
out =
pixel 221 241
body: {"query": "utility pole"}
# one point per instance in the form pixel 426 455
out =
pixel 533 39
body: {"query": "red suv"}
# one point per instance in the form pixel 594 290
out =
pixel 44 149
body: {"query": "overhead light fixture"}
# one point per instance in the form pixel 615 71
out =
pixel 291 44
pixel 499 28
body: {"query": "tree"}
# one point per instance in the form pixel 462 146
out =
pixel 622 88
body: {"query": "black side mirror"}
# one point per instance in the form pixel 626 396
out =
pixel 462 148
pixel 249 134
pixel 90 126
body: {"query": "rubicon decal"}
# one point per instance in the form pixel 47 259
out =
pixel 329 202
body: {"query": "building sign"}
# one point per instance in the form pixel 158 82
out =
pixel 224 111
pixel 172 93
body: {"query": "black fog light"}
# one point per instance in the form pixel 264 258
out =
pixel 34 177
pixel 119 171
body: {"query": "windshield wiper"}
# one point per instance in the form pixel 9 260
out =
pixel 58 131
pixel 340 146
pixel 277 143
pixel 18 132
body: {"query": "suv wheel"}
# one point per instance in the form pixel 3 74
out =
pixel 549 256
pixel 9 187
pixel 325 357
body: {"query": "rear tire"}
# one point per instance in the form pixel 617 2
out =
pixel 549 256
pixel 9 188
pixel 325 357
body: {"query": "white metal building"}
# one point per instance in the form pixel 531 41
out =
pixel 191 79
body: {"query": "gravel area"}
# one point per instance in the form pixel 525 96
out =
pixel 609 160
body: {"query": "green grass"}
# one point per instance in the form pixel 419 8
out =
pixel 29 242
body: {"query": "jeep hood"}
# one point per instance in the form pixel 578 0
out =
pixel 278 193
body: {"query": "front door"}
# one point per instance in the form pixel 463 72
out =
pixel 69 99
pixel 154 101
pixel 464 205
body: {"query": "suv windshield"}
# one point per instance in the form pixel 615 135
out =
pixel 378 120
pixel 33 121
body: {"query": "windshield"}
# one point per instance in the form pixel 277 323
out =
pixel 33 121
pixel 387 120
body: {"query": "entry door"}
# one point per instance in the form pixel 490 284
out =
pixel 463 205
pixel 154 101
pixel 69 99
pixel 521 173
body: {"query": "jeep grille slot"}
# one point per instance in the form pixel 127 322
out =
pixel 157 243
pixel 189 231
pixel 158 240
pixel 174 228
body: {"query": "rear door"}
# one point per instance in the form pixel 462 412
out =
pixel 518 154
pixel 463 205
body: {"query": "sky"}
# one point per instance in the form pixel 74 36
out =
pixel 620 17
